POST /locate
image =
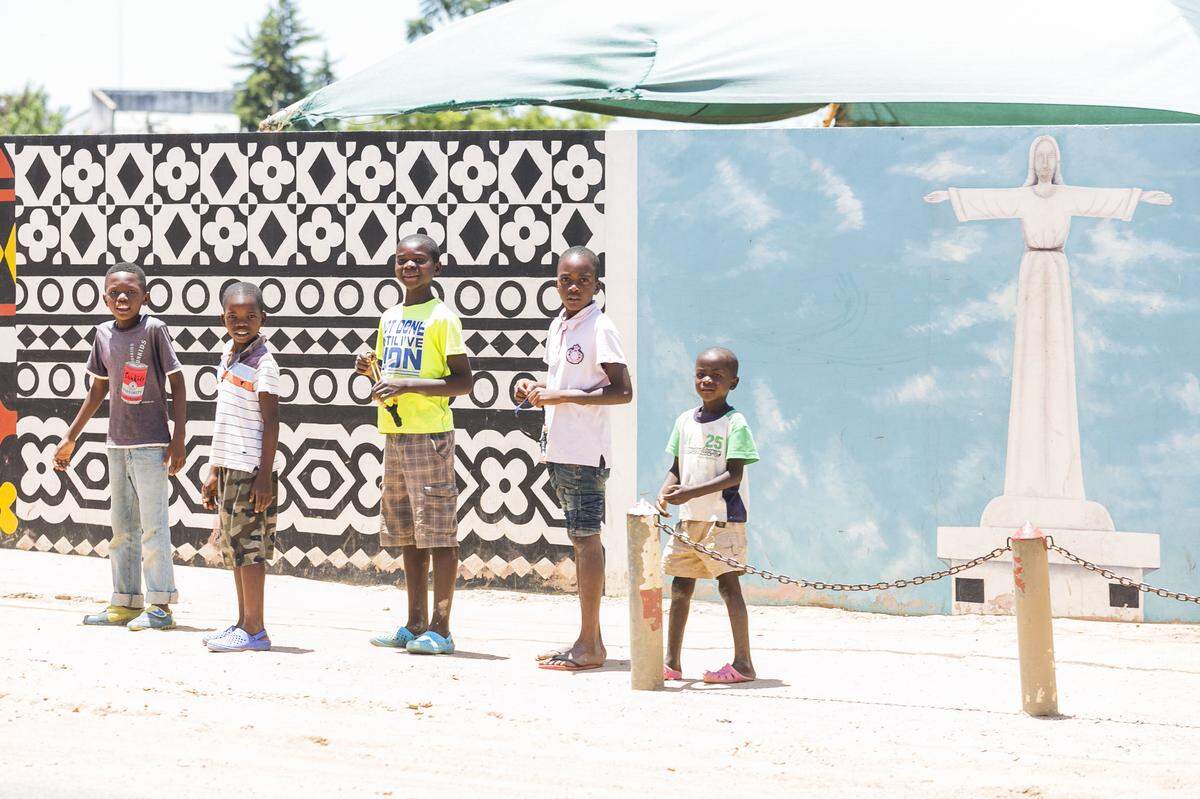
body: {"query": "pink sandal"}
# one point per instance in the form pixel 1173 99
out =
pixel 671 674
pixel 725 675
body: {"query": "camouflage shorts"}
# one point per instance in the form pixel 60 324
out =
pixel 246 537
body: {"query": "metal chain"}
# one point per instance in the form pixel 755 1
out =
pixel 927 578
pixel 818 585
pixel 1108 575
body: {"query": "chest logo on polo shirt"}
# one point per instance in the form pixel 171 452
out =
pixel 575 354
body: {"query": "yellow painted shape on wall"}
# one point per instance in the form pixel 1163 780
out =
pixel 8 518
pixel 10 252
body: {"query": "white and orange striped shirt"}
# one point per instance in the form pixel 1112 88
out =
pixel 238 424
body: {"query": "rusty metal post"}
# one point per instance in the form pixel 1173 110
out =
pixel 645 599
pixel 1035 633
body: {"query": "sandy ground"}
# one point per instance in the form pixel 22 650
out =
pixel 851 704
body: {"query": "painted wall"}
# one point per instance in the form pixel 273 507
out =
pixel 875 331
pixel 875 334
pixel 314 220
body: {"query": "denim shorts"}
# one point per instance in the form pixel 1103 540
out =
pixel 580 492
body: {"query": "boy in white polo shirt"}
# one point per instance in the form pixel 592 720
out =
pixel 586 372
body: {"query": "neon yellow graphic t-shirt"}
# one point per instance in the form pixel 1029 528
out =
pixel 415 341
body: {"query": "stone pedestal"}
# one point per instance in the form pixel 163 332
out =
pixel 1074 591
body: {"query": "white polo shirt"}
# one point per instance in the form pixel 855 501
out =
pixel 575 348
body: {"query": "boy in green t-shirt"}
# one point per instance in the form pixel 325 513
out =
pixel 420 362
pixel 712 446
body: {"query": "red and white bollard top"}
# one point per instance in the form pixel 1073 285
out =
pixel 1028 532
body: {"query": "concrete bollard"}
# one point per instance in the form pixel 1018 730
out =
pixel 645 599
pixel 1035 633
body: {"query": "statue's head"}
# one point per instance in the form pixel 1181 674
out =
pixel 1045 162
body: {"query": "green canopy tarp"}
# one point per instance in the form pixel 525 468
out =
pixel 929 62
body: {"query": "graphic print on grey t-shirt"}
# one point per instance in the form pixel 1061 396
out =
pixel 133 376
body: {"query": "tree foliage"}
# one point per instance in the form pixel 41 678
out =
pixel 438 12
pixel 278 72
pixel 323 74
pixel 28 112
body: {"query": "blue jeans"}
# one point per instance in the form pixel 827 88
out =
pixel 141 531
pixel 580 491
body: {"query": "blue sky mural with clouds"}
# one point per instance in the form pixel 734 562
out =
pixel 875 334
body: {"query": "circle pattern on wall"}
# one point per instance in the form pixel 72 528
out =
pixel 313 220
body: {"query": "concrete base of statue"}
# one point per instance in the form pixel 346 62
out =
pixel 1075 592
pixel 1060 514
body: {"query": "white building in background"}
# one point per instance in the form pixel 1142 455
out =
pixel 156 111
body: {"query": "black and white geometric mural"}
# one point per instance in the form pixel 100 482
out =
pixel 313 219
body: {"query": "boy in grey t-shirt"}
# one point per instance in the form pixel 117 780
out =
pixel 131 361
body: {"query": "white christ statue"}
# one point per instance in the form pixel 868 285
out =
pixel 1043 473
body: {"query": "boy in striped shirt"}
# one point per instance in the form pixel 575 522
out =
pixel 241 483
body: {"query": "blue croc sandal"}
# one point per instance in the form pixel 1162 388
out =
pixel 432 644
pixel 397 640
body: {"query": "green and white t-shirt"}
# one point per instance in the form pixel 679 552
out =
pixel 703 445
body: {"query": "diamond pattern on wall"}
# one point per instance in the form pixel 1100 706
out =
pixel 314 220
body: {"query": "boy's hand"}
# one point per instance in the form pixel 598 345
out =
pixel 540 397
pixel 522 388
pixel 208 491
pixel 660 505
pixel 363 361
pixel 387 389
pixel 62 456
pixel 174 456
pixel 262 493
pixel 676 495
pixel 214 540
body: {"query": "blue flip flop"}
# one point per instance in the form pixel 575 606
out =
pixel 397 640
pixel 431 644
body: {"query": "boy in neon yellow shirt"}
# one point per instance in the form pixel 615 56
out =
pixel 422 362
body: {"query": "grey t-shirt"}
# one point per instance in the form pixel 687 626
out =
pixel 135 362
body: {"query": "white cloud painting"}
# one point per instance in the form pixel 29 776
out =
pixel 875 335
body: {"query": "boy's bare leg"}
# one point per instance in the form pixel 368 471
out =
pixel 681 603
pixel 237 581
pixel 254 577
pixel 589 568
pixel 445 571
pixel 416 583
pixel 731 591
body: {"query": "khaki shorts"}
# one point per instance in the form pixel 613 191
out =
pixel 727 538
pixel 420 494
pixel 246 537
